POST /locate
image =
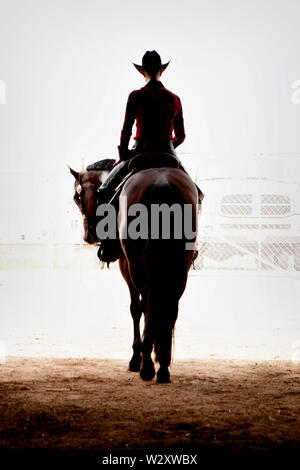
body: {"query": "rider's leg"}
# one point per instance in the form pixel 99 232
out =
pixel 117 174
pixel 200 193
pixel 113 180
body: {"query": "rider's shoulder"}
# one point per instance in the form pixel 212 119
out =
pixel 145 89
pixel 176 97
pixel 134 93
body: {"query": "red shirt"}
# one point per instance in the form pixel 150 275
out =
pixel 158 114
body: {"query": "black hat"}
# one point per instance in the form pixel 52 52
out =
pixel 151 63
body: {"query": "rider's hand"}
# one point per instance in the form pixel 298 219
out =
pixel 124 154
pixel 116 163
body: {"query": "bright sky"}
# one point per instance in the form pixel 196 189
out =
pixel 67 69
pixel 68 72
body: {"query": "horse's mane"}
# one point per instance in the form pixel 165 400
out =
pixel 101 165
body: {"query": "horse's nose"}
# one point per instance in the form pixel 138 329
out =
pixel 87 238
pixel 90 238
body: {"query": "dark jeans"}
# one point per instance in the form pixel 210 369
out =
pixel 163 145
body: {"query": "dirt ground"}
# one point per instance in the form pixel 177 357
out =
pixel 80 405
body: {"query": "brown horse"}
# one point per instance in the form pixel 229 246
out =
pixel 155 270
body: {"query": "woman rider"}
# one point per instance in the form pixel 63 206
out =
pixel 159 121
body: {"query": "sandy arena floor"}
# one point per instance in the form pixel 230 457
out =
pixel 97 406
pixel 65 392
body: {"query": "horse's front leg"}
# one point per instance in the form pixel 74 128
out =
pixel 136 313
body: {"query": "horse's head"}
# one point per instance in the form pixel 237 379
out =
pixel 85 197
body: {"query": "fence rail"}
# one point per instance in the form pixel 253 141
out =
pixel 249 222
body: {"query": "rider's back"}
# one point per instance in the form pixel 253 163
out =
pixel 157 112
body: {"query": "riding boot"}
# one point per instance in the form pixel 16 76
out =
pixel 200 193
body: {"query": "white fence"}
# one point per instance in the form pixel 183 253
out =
pixel 250 219
pixel 250 224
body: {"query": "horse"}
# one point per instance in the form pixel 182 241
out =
pixel 155 269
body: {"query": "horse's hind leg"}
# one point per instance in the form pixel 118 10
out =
pixel 163 343
pixel 163 355
pixel 136 312
pixel 147 371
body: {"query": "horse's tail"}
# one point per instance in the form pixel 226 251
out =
pixel 165 277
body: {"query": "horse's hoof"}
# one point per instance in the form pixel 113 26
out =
pixel 163 376
pixel 134 365
pixel 147 371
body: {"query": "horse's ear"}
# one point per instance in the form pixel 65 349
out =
pixel 74 173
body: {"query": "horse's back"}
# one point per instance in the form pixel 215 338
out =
pixel 138 185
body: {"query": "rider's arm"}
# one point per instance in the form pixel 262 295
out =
pixel 178 126
pixel 130 116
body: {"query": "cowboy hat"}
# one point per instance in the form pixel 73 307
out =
pixel 151 62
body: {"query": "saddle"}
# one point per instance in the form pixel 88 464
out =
pixel 110 250
pixel 145 161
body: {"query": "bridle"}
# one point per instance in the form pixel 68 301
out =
pixel 79 191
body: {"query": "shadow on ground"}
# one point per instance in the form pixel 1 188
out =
pixel 73 409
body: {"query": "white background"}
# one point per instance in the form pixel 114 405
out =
pixel 67 69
